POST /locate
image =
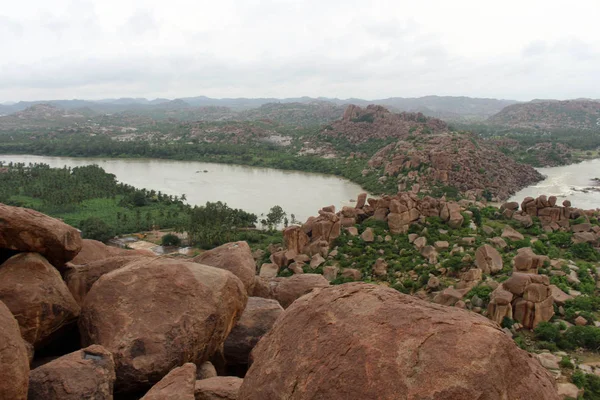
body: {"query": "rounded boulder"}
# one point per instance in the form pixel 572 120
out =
pixel 35 293
pixel 234 257
pixel 362 341
pixel 160 314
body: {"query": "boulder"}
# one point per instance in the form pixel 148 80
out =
pixel 35 293
pixel 183 313
pixel 14 363
pixel 233 257
pixel 85 374
pixel 331 272
pixel 295 238
pixel 257 319
pixel 380 267
pixel 80 278
pixel 420 242
pixel 287 290
pixel 27 230
pixel 218 388
pixel 580 321
pixel 352 273
pixel 559 296
pixel 376 343
pixel 569 390
pixel 488 259
pixel 368 235
pixel 206 370
pixel 316 261
pixel 93 250
pixel 179 384
pixel 269 270
pixel 448 297
pixel 511 234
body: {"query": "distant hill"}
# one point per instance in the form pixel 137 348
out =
pixel 445 107
pixel 550 115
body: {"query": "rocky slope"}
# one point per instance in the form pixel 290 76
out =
pixel 550 115
pixel 156 328
pixel 427 154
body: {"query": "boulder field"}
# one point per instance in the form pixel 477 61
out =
pixel 152 327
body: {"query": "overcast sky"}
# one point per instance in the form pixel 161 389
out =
pixel 515 49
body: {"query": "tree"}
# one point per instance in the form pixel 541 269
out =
pixel 95 228
pixel 275 216
pixel 170 239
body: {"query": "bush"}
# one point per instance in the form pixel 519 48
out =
pixel 560 239
pixel 483 292
pixel 547 331
pixel 584 251
pixel 96 229
pixel 589 383
pixel 587 337
pixel 170 239
pixel 565 362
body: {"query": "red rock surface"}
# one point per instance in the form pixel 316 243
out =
pixel 85 374
pixel 27 230
pixel 177 385
pixel 218 388
pixel 362 341
pixel 93 250
pixel 80 278
pixel 14 363
pixel 234 257
pixel 35 293
pixel 154 316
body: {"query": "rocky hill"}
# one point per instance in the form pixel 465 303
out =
pixel 425 153
pixel 551 115
pixel 44 116
pixel 359 125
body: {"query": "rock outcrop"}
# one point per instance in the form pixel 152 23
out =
pixel 154 316
pixel 233 257
pixel 35 293
pixel 85 374
pixel 526 298
pixel 14 363
pixel 27 230
pixel 361 341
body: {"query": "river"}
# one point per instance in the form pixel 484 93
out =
pixel 567 182
pixel 252 189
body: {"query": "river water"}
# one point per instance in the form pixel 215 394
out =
pixel 567 182
pixel 250 188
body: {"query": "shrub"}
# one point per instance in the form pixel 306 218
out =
pixel 539 248
pixel 560 239
pixel 590 384
pixel 483 292
pixel 170 239
pixel 547 331
pixel 587 337
pixel 565 362
pixel 584 251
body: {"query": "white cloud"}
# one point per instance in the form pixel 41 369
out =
pixel 284 48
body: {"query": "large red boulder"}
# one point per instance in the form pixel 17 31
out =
pixel 35 293
pixel 14 363
pixel 257 319
pixel 80 278
pixel 27 230
pixel 93 250
pixel 177 385
pixel 234 257
pixel 85 374
pixel 159 314
pixel 363 341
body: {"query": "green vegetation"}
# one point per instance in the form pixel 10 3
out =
pixel 170 239
pixel 590 383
